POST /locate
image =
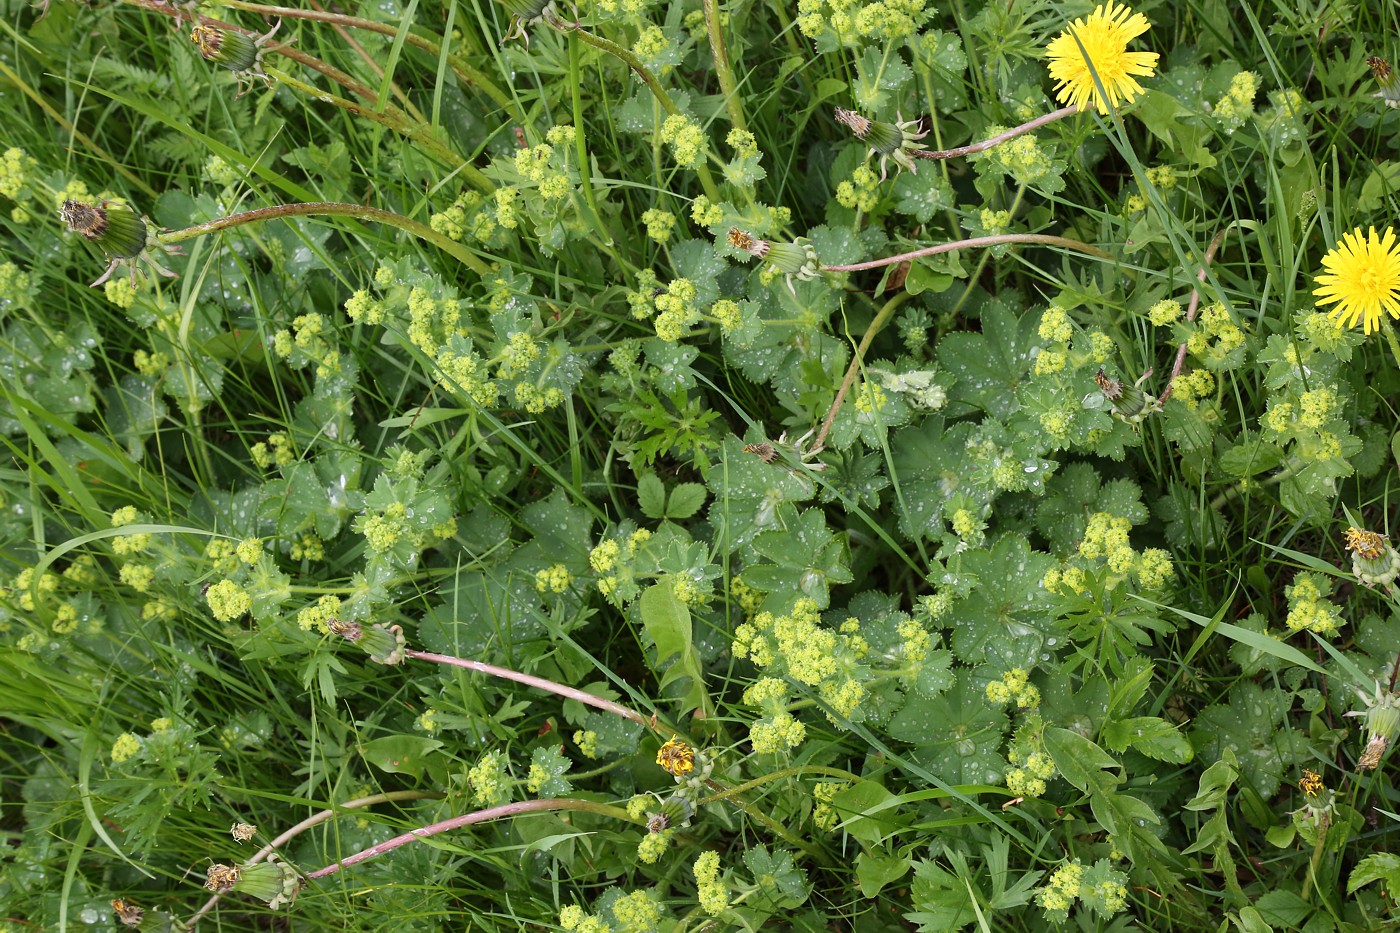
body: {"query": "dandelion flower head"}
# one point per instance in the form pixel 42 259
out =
pixel 1104 36
pixel 1361 279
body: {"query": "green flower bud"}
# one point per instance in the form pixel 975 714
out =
pixel 383 643
pixel 1130 403
pixel 524 13
pixel 898 140
pixel 233 50
pixel 113 227
pixel 273 882
pixel 1373 559
pixel 1382 715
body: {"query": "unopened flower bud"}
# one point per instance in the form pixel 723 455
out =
pixel 895 141
pixel 383 643
pixel 233 50
pixel 111 226
pixel 273 882
pixel 1129 402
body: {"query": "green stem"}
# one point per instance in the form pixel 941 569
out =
pixel 732 101
pixel 664 99
pixel 1392 342
pixel 876 325
pixel 464 70
pixel 772 825
pixel 327 209
pixel 777 776
pixel 422 135
pixel 1043 239
pixel 585 166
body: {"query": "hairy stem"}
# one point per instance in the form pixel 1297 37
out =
pixel 732 101
pixel 1043 239
pixel 311 821
pixel 530 680
pixel 467 819
pixel 1191 307
pixel 998 139
pixel 794 771
pixel 328 209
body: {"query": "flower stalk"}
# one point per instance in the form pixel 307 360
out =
pixel 1042 239
pixel 974 148
pixel 1191 307
pixel 328 209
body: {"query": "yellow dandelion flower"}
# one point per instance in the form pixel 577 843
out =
pixel 1098 45
pixel 1362 276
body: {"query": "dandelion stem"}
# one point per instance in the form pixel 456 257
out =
pixel 467 819
pixel 530 680
pixel 323 208
pixel 311 821
pixel 998 139
pixel 878 324
pixel 1390 339
pixel 979 242
pixel 1191 307
pixel 732 101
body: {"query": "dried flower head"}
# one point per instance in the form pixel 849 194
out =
pixel 123 237
pixel 128 912
pixel 747 243
pixel 1129 402
pixel 242 832
pixel 1386 78
pixel 676 758
pixel 765 451
pixel 220 878
pixel 1382 715
pixel 1365 544
pixel 1361 278
pixel 1096 46
pixel 1311 783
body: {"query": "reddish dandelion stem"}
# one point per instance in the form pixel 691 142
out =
pixel 1191 307
pixel 1042 239
pixel 998 139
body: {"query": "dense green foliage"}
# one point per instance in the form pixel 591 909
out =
pixel 895 601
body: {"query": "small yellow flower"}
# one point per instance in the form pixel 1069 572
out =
pixel 1362 278
pixel 1104 36
pixel 1311 783
pixel 1367 544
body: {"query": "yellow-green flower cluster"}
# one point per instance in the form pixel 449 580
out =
pixel 636 912
pixel 304 342
pixel 1193 386
pixel 15 168
pixel 517 355
pixel 713 895
pixel 137 576
pixel 1308 418
pixel 660 224
pixel 489 781
pixel 433 319
pixel 15 285
pixel 319 614
pixel 1134 203
pixel 574 919
pixel 587 742
pixel 65 617
pixel 1060 893
pixel 1021 158
pixel 851 22
pixel 1162 177
pixel 1055 325
pixel 653 846
pixel 653 47
pixel 276 451
pixel 1029 778
pixel 676 310
pixel 307 546
pixel 124 545
pixel 748 599
pixel 824 814
pixel 150 365
pixel 462 220
pixel 1237 105
pixel 1106 535
pixel 466 373
pixel 968 526
pixel 727 314
pixel 861 191
pixel 221 552
pixel 386 529
pixel 915 640
pixel 227 600
pixel 870 398
pixel 125 748
pixel 686 139
pixel 1308 606
pixel 555 579
pixel 1218 342
pixel 249 550
pixel 120 291
pixel 1014 686
pixel 704 213
pixel 776 733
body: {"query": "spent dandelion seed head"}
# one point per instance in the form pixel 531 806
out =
pixel 241 54
pixel 897 141
pixel 1361 279
pixel 1098 45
